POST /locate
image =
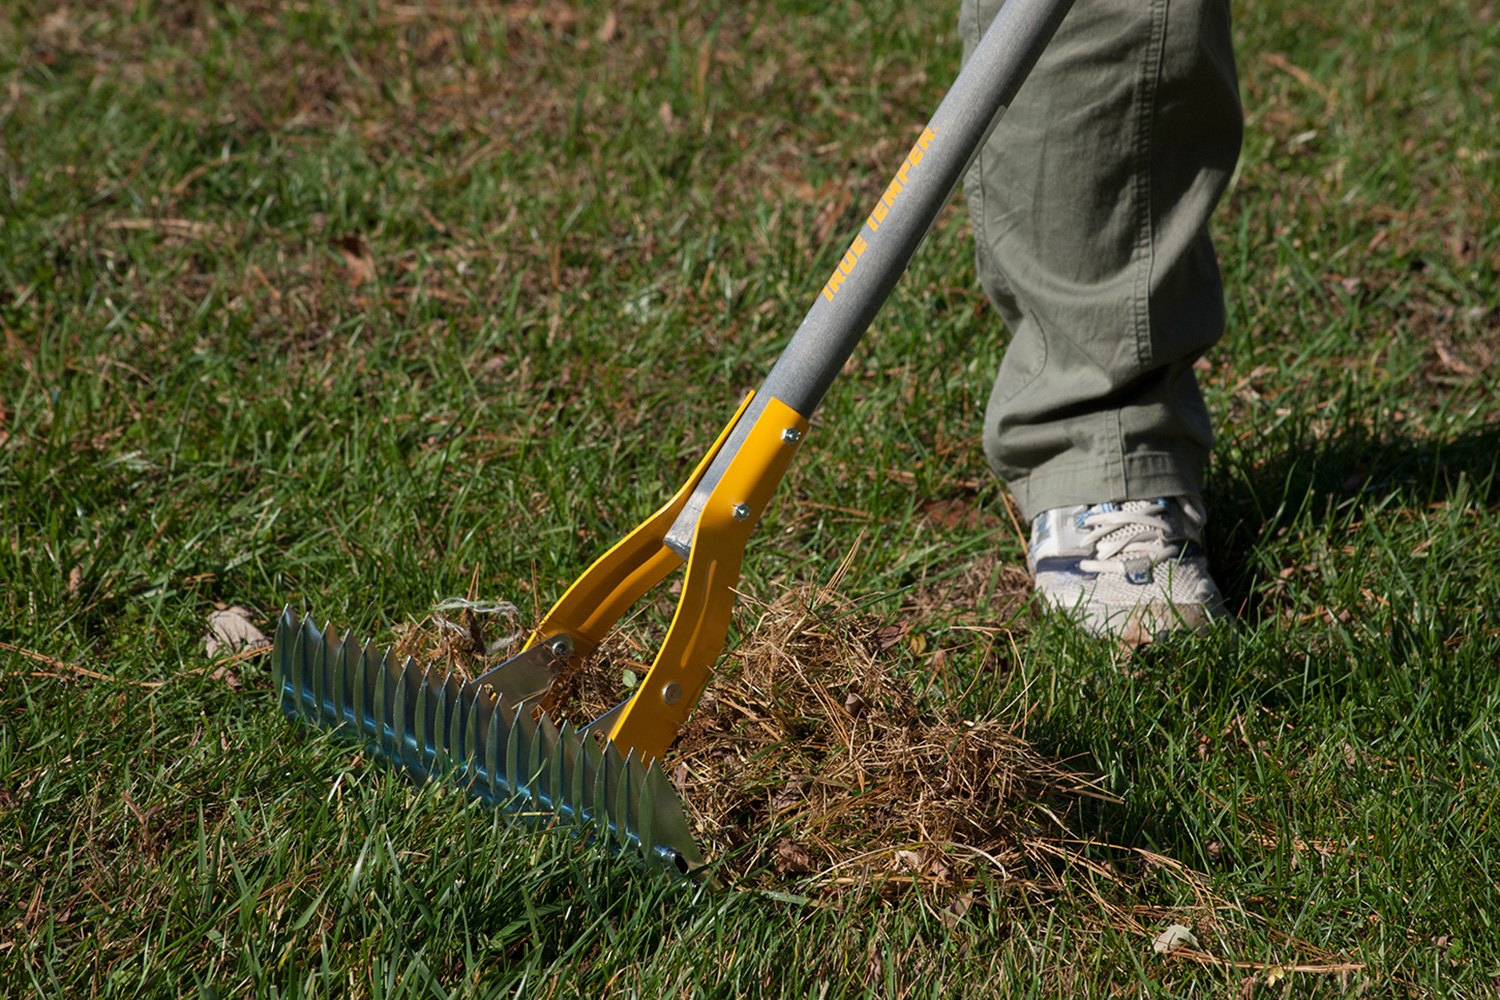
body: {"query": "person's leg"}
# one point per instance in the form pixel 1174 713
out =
pixel 1090 203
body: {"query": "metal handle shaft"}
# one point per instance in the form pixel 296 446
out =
pixel 896 226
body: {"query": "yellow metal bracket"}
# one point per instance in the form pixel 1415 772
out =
pixel 651 719
pixel 590 607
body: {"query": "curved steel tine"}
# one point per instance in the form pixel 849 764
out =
pixel 622 801
pixel 545 753
pixel 535 760
pixel 382 718
pixel 298 687
pixel 453 712
pixel 606 785
pixel 488 742
pixel 419 746
pixel 670 823
pixel 338 672
pixel 564 764
pixel 642 821
pixel 286 638
pixel 317 659
pixel 517 752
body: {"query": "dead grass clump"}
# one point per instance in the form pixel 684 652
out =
pixel 811 756
pixel 810 734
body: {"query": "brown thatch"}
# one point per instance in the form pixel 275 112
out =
pixel 811 756
pixel 810 732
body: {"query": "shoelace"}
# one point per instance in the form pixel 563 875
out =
pixel 1136 537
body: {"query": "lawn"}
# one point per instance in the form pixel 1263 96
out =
pixel 359 307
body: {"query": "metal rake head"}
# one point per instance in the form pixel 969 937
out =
pixel 432 722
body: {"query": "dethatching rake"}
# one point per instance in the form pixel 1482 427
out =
pixel 495 732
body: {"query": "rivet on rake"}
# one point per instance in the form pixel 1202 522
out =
pixel 672 693
pixel 791 435
pixel 741 511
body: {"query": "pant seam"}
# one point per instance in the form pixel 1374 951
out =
pixel 1152 55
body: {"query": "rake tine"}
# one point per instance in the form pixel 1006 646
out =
pixel 423 740
pixel 400 715
pixel 622 799
pixel 611 774
pixel 534 761
pixel 451 705
pixel 413 747
pixel 298 671
pixel 645 823
pixel 466 750
pixel 585 763
pixel 344 712
pixel 361 690
pixel 517 750
pixel 435 718
pixel 381 721
pixel 564 762
pixel 487 714
pixel 668 819
pixel 281 650
pixel 317 658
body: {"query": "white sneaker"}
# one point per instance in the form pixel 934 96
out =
pixel 1133 570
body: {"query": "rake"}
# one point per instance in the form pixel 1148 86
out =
pixel 496 733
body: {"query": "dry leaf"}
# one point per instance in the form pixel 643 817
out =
pixel 789 796
pixel 887 636
pixel 606 32
pixel 1174 937
pixel 359 262
pixel 792 858
pixel 954 911
pixel 230 630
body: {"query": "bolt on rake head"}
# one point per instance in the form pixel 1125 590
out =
pixel 432 721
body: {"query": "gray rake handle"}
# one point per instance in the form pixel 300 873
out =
pixel 878 256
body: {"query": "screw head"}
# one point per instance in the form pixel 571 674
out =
pixel 561 645
pixel 741 511
pixel 791 435
pixel 671 693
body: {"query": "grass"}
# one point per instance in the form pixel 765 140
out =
pixel 336 303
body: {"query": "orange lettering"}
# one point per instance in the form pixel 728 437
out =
pixel 833 284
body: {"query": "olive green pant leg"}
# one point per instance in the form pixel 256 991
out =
pixel 1090 203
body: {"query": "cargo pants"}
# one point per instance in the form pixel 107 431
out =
pixel 1090 203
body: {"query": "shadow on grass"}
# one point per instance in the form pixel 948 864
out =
pixel 1336 477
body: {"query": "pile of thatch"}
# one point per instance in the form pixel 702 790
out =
pixel 810 756
pixel 810 733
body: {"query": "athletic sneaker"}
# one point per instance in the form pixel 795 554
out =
pixel 1133 569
